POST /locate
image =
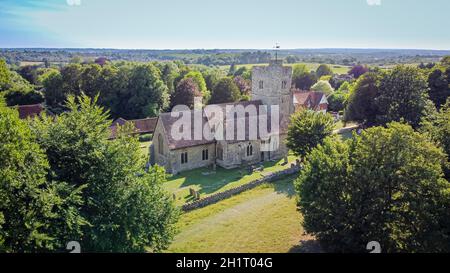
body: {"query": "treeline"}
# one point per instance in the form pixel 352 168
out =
pixel 219 57
pixel 127 90
pixel 206 57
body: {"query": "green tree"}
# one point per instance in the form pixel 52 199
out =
pixel 438 128
pixel 4 75
pixel 90 79
pixel 337 101
pixel 225 90
pixel 146 95
pixel 126 207
pixel 302 78
pixel 53 88
pixel 403 94
pixel 324 70
pixel 170 72
pixel 35 214
pixel 307 129
pixel 71 79
pixel 345 87
pixel 445 61
pixel 198 79
pixel 323 86
pixel 212 76
pixel 385 185
pixel 439 87
pixel 232 69
pixel 361 105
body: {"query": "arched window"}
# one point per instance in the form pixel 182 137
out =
pixel 283 84
pixel 249 149
pixel 160 145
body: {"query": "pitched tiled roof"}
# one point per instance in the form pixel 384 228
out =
pixel 308 99
pixel 146 125
pixel 143 126
pixel 29 111
pixel 168 122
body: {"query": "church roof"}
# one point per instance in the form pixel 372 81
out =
pixel 168 123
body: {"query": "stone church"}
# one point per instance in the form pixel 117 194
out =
pixel 271 85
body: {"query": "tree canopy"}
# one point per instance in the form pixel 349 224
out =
pixel 125 206
pixel 36 214
pixel 361 102
pixel 403 94
pixel 323 86
pixel 324 70
pixel 385 185
pixel 307 129
pixel 225 91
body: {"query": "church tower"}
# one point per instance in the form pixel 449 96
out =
pixel 272 85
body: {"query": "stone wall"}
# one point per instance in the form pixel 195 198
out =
pixel 194 158
pixel 214 198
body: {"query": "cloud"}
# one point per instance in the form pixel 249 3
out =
pixel 374 2
pixel 73 2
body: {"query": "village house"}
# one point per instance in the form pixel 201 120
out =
pixel 316 101
pixel 271 86
pixel 142 126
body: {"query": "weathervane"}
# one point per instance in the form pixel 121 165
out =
pixel 276 47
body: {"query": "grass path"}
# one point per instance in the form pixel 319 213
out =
pixel 264 219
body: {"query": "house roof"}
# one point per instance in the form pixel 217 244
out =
pixel 30 111
pixel 143 126
pixel 169 122
pixel 146 125
pixel 308 99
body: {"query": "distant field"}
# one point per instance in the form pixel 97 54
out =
pixel 30 63
pixel 262 220
pixel 338 69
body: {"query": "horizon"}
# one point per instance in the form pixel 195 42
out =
pixel 232 24
pixel 212 49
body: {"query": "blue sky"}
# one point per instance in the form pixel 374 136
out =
pixel 180 24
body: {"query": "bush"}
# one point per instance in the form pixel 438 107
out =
pixel 145 137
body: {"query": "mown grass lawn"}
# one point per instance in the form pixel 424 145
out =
pixel 145 146
pixel 261 220
pixel 206 182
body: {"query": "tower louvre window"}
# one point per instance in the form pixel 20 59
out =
pixel 261 84
pixel 283 84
